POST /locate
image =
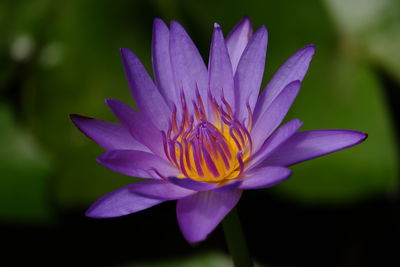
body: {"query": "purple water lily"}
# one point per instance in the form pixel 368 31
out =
pixel 203 135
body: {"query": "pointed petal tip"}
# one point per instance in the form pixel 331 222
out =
pixel 358 137
pixel 109 101
pixel 76 117
pixel 175 25
pixel 298 122
pixel 309 49
pixel 362 136
pixel 158 21
pixel 95 213
pixel 310 46
pixel 77 120
pixel 126 52
pixel 92 214
pixel 159 25
pixel 296 83
pixel 192 240
pixel 246 20
pixel 262 30
pixel 100 159
pixel 122 50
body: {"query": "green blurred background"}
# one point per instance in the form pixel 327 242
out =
pixel 62 57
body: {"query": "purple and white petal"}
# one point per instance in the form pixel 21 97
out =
pixel 120 202
pixel 160 190
pixel 311 144
pixel 162 62
pixel 137 164
pixel 274 115
pixel 249 73
pixel 146 95
pixel 199 214
pixel 295 68
pixel 237 40
pixel 273 142
pixel 220 68
pixel 264 177
pixel 108 135
pixel 139 125
pixel 188 66
pixel 192 184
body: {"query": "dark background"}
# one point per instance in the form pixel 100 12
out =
pixel 62 57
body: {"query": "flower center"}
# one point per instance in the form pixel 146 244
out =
pixel 209 148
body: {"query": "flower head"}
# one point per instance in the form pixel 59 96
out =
pixel 204 134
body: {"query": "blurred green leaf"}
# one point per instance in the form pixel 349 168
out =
pixel 370 25
pixel 24 172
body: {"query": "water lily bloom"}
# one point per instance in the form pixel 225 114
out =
pixel 204 134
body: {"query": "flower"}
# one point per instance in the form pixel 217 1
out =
pixel 203 135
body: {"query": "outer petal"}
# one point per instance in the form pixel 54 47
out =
pixel 274 115
pixel 139 125
pixel 162 62
pixel 147 97
pixel 192 184
pixel 295 68
pixel 187 64
pixel 265 177
pixel 311 144
pixel 237 40
pixel 108 135
pixel 136 163
pixel 249 73
pixel 120 202
pixel 220 68
pixel 199 214
pixel 274 141
pixel 160 190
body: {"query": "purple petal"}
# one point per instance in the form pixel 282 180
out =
pixel 228 187
pixel 274 115
pixel 147 97
pixel 162 62
pixel 249 73
pixel 220 68
pixel 274 141
pixel 160 190
pixel 199 214
pixel 139 125
pixel 187 64
pixel 137 163
pixel 108 135
pixel 311 144
pixel 120 202
pixel 295 68
pixel 265 177
pixel 237 40
pixel 192 184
